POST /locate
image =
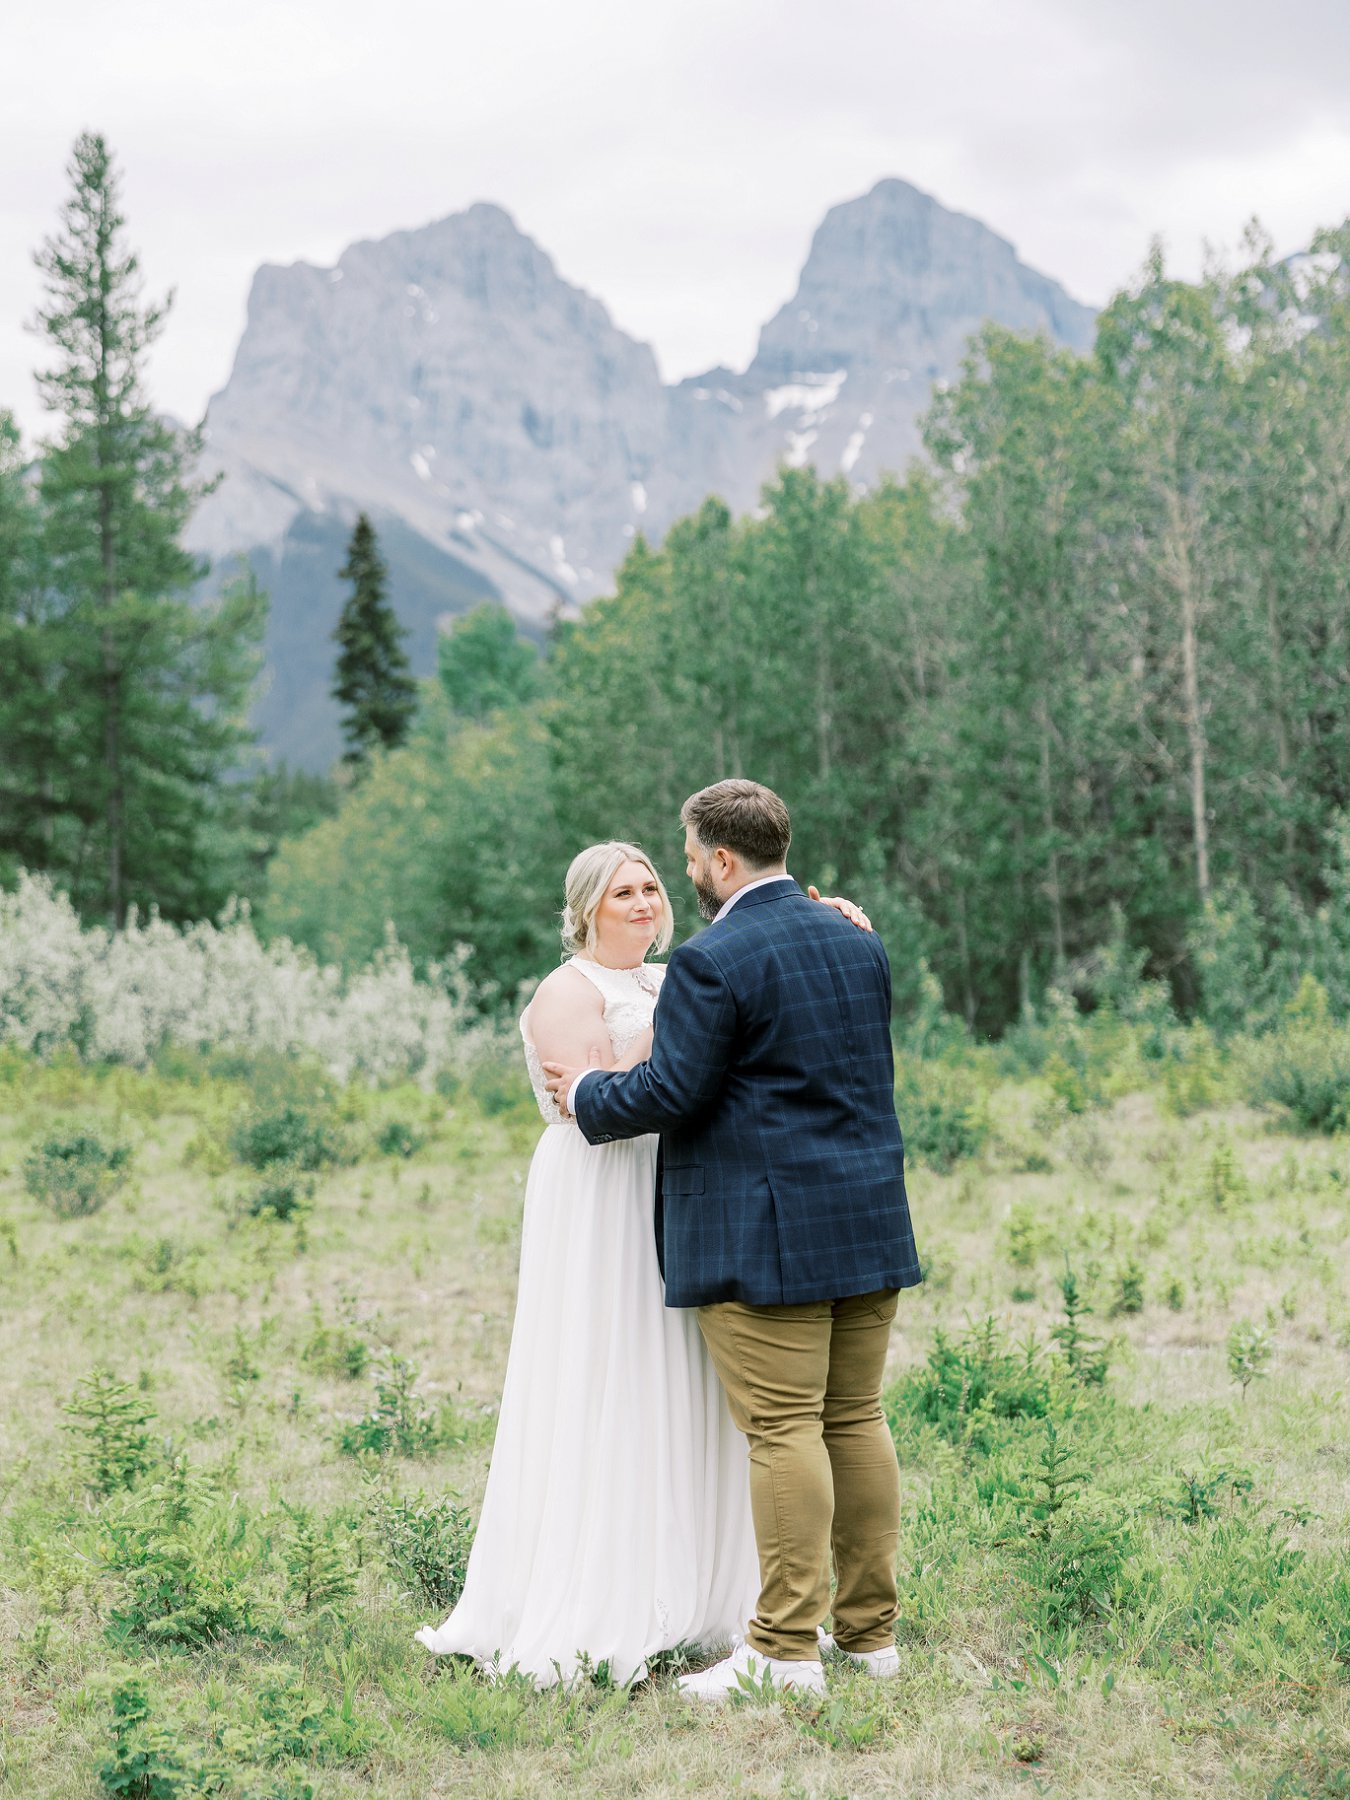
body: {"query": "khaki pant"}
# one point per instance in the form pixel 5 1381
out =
pixel 804 1383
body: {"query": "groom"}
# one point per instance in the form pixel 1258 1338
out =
pixel 781 1215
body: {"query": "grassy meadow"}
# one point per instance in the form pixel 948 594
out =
pixel 281 1311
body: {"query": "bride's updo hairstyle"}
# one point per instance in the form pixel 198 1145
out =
pixel 588 878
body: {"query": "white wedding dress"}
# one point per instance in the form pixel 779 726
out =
pixel 616 1521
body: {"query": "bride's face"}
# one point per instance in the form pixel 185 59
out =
pixel 629 917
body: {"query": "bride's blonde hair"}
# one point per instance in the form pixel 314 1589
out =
pixel 588 877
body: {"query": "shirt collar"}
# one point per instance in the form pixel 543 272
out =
pixel 749 888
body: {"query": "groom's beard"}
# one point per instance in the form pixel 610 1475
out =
pixel 709 904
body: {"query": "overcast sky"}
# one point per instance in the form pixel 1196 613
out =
pixel 673 156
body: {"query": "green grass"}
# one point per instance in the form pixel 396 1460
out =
pixel 1131 1587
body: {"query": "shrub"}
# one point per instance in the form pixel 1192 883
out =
pixel 426 1544
pixel 964 1386
pixel 1073 1560
pixel 1026 1234
pixel 1087 1357
pixel 1305 1069
pixel 1070 1089
pixel 942 1111
pixel 400 1422
pixel 289 1720
pixel 1129 1292
pixel 302 1137
pixel 186 1566
pixel 319 1567
pixel 337 1349
pixel 111 1423
pixel 124 997
pixel 284 1194
pixel 149 1760
pixel 1223 1184
pixel 398 1138
pixel 1249 1353
pixel 76 1172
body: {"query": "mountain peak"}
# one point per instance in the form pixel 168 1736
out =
pixel 895 276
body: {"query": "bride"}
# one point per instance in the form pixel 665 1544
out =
pixel 616 1521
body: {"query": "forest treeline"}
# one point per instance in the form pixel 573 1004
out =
pixel 1076 685
pixel 1080 680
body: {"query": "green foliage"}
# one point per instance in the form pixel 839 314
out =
pixel 1129 1289
pixel 186 1566
pixel 320 1569
pixel 151 690
pixel 463 883
pixel 1223 1184
pixel 284 1193
pixel 294 1135
pixel 967 1385
pixel 76 1172
pixel 1087 1357
pixel 1069 1087
pixel 154 1755
pixel 942 1112
pixel 1201 1492
pixel 338 1348
pixel 473 1715
pixel 837 1723
pixel 484 666
pixel 397 1138
pixel 1025 1233
pixel 1072 1559
pixel 149 1760
pixel 288 1719
pixel 426 1544
pixel 1249 1353
pixel 400 1423
pixel 1304 1066
pixel 110 1424
pixel 373 682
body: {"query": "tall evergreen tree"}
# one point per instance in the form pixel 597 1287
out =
pixel 151 692
pixel 373 681
pixel 29 724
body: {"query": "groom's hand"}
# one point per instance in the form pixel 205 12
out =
pixel 851 911
pixel 559 1079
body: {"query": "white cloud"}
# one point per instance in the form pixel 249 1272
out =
pixel 673 158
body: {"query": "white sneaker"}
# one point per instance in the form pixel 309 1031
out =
pixel 746 1671
pixel 877 1663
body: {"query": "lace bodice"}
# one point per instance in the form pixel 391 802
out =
pixel 630 1000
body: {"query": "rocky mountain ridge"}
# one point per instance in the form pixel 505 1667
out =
pixel 509 439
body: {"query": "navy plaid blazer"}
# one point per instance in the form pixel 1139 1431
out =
pixel 772 1084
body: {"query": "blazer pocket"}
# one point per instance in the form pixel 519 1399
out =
pixel 681 1181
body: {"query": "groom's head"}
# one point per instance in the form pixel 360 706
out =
pixel 735 832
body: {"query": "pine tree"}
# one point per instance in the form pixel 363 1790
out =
pixel 28 722
pixel 151 692
pixel 373 681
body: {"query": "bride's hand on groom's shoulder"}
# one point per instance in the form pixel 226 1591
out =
pixel 850 909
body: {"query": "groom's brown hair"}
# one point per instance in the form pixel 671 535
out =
pixel 740 816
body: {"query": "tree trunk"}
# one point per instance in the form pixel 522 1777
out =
pixel 1183 580
pixel 1052 881
pixel 115 798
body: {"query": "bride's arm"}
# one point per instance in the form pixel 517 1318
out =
pixel 637 1052
pixel 566 1023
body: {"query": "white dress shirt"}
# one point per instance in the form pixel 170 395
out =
pixel 722 911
